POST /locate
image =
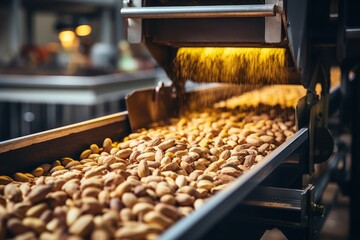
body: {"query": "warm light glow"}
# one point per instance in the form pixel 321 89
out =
pixel 232 65
pixel 83 30
pixel 67 38
pixel 285 96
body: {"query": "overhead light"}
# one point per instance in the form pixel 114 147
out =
pixel 67 38
pixel 83 30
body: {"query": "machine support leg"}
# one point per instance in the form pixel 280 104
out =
pixel 355 158
pixel 14 37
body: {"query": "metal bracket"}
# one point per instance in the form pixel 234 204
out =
pixel 271 10
pixel 321 140
pixel 298 208
pixel 314 111
pixel 302 111
pixel 273 24
pixel 134 29
pixel 146 106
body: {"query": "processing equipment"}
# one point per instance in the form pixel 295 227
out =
pixel 234 44
pixel 249 43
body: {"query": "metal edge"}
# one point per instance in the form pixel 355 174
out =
pixel 44 136
pixel 64 81
pixel 104 3
pixel 322 181
pixel 259 10
pixel 197 223
pixel 274 197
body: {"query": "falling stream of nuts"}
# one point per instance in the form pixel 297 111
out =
pixel 137 188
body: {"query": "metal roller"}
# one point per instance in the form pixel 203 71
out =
pixel 263 10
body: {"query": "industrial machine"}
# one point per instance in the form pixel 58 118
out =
pixel 309 35
pixel 285 190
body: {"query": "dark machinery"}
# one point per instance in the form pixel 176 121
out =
pixel 239 24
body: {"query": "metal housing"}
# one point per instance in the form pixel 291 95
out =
pixel 164 26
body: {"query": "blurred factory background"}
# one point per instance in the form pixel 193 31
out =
pixel 65 61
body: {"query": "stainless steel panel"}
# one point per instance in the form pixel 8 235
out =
pixel 150 105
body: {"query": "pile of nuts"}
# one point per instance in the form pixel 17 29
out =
pixel 274 95
pixel 139 187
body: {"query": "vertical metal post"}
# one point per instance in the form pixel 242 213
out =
pixel 100 110
pixel 106 36
pixel 66 114
pixel 14 120
pixel 25 128
pixel 14 27
pixel 114 106
pixel 82 113
pixel 29 26
pixel 51 117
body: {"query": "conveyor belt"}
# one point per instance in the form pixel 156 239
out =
pixel 202 220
